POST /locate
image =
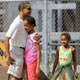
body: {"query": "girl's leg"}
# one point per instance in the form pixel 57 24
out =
pixel 60 77
pixel 66 76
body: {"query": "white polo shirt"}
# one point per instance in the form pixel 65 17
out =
pixel 17 33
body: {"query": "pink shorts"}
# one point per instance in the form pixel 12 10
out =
pixel 31 71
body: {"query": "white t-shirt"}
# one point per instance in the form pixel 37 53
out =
pixel 17 33
pixel 32 36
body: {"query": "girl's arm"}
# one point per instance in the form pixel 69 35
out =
pixel 56 60
pixel 74 61
pixel 38 57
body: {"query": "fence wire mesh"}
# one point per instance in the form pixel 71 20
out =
pixel 62 15
pixel 69 18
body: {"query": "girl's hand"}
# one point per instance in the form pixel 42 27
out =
pixel 76 74
pixel 38 71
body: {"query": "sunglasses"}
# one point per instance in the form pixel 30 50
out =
pixel 29 9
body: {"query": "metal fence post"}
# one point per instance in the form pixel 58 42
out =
pixel 45 35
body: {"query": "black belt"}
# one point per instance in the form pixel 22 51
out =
pixel 22 47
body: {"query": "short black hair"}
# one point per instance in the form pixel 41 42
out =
pixel 30 20
pixel 67 35
pixel 22 4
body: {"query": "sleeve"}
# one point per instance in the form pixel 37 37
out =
pixel 13 27
pixel 33 37
pixel 35 41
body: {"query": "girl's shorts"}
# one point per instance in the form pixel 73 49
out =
pixel 16 69
pixel 31 71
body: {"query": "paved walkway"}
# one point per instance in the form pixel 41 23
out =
pixel 3 73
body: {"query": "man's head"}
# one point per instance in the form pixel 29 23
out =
pixel 25 7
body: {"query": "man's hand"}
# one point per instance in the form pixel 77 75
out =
pixel 10 60
pixel 37 37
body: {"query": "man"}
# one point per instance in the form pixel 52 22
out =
pixel 15 42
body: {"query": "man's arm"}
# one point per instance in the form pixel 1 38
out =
pixel 13 27
pixel 6 43
pixel 37 37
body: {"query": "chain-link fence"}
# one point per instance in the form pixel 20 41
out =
pixel 63 18
pixel 51 16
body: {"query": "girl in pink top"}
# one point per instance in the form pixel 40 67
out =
pixel 32 50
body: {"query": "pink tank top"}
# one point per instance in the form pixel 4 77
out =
pixel 30 51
